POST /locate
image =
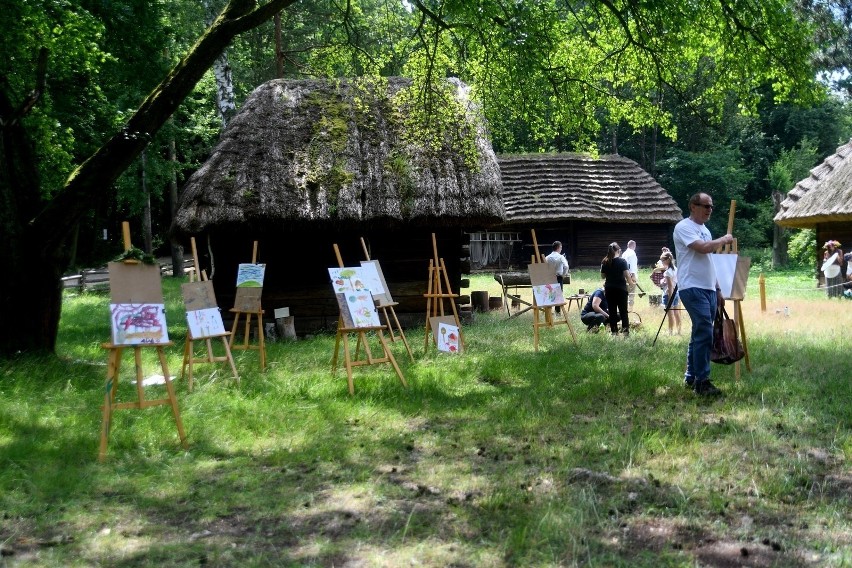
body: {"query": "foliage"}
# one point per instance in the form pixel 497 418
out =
pixel 134 253
pixel 574 455
pixel 803 248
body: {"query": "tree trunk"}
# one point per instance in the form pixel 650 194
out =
pixel 147 233
pixel 177 249
pixel 34 232
pixel 279 50
pixel 226 105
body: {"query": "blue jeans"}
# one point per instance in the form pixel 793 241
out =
pixel 700 304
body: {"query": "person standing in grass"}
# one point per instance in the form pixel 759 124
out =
pixel 559 263
pixel 832 260
pixel 633 268
pixel 699 289
pixel 670 274
pixel 614 271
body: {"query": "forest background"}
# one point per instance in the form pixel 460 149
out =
pixel 738 98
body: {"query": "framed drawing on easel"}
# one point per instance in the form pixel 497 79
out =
pixel 137 321
pixel 358 315
pixel 204 321
pixel 137 309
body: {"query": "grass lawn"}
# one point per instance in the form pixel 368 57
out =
pixel 590 454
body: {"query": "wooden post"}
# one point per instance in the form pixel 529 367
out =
pixel 125 232
pixel 762 282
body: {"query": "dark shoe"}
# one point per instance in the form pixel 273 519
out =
pixel 688 382
pixel 706 388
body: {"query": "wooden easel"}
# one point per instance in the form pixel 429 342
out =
pixel 547 312
pixel 112 379
pixel 249 311
pixel 436 295
pixel 386 306
pixel 738 307
pixel 343 335
pixel 188 353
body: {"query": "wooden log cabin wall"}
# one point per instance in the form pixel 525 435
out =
pixel 297 269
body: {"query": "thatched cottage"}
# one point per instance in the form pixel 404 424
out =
pixel 586 203
pixel 823 201
pixel 309 163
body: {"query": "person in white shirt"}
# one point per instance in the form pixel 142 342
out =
pixel 633 268
pixel 699 289
pixel 559 264
pixel 673 310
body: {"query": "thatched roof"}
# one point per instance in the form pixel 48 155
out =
pixel 558 187
pixel 347 152
pixel 825 196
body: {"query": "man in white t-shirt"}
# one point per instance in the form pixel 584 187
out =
pixel 699 290
pixel 559 264
pixel 633 268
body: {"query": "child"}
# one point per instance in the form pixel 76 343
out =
pixel 671 281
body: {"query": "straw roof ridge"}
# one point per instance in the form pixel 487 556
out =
pixel 824 196
pixel 571 186
pixel 345 152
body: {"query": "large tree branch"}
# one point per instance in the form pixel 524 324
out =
pixel 95 176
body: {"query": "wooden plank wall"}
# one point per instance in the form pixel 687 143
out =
pixel 585 243
pixel 297 269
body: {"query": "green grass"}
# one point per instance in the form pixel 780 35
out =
pixel 588 454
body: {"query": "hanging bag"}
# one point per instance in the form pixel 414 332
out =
pixel 727 348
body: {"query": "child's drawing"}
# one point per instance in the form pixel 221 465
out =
pixel 205 323
pixel 250 275
pixel 346 279
pixel 548 295
pixel 371 279
pixel 361 309
pixel 135 324
pixel 448 338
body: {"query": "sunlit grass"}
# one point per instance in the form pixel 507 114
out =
pixel 578 454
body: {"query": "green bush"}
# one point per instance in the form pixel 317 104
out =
pixel 802 248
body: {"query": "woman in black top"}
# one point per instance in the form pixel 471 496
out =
pixel 614 270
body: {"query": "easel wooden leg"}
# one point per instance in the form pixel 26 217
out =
pixel 248 332
pixel 262 339
pixel 230 359
pixel 234 329
pixel 187 356
pixel 428 309
pixel 172 398
pixel 189 346
pixel 401 332
pixel 348 362
pixel 390 356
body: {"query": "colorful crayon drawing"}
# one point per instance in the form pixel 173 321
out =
pixel 548 295
pixel 135 324
pixel 370 278
pixel 250 275
pixel 205 323
pixel 448 338
pixel 344 279
pixel 362 309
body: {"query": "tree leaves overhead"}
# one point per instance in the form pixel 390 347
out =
pixel 553 64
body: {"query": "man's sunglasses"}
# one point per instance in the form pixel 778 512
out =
pixel 705 206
